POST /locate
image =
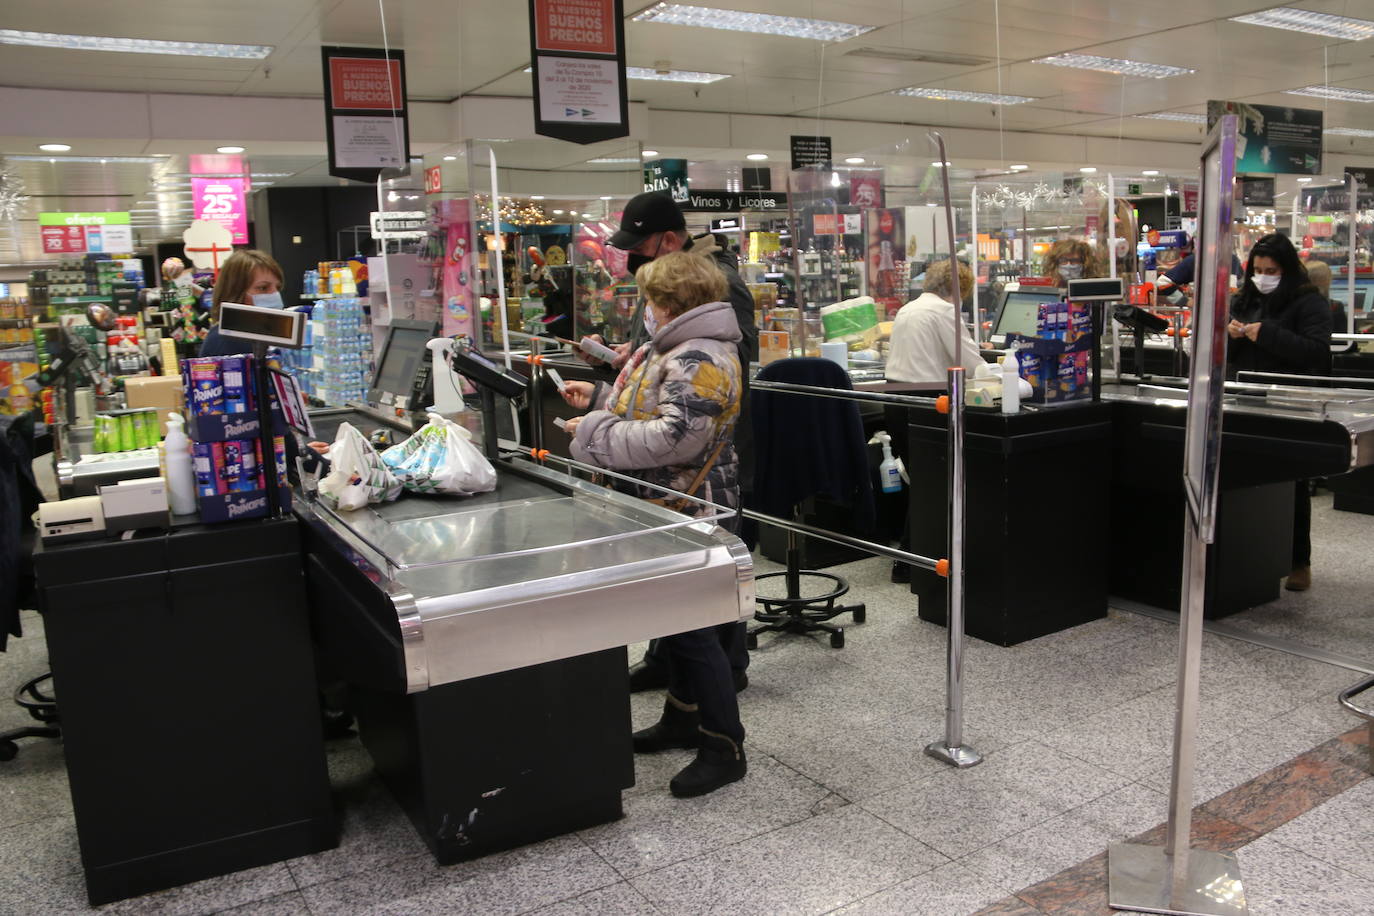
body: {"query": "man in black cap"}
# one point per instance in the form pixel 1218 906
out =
pixel 650 227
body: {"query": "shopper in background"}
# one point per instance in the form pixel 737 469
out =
pixel 1319 275
pixel 247 277
pixel 652 226
pixel 922 332
pixel 1281 323
pixel 668 420
pixel 1071 259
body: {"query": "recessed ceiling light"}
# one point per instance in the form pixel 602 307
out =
pixel 133 45
pixel 1150 172
pixel 54 147
pixel 649 153
pixel 605 197
pixel 930 203
pixel 558 212
pixel 607 160
pixel 536 197
pixel 854 160
pixel 1088 169
pixel 1286 17
pixel 1338 131
pixel 1175 116
pixel 760 23
pixel 940 165
pixel 756 157
pixel 228 149
pixel 1113 65
pixel 1019 167
pixel 959 95
pixel 1339 93
pixel 1304 179
pixel 450 158
pixel 673 76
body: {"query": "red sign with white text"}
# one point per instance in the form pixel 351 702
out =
pixel 365 83
pixel 434 179
pixel 63 239
pixel 580 26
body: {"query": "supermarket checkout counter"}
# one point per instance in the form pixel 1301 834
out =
pixel 484 638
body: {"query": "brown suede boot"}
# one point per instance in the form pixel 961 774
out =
pixel 1299 580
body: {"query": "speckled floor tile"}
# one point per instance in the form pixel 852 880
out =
pixel 1008 906
pixel 947 889
pixel 1339 832
pixel 658 829
pixel 1288 790
pixel 1281 880
pixel 617 900
pixel 289 904
pixel 33 786
pixel 960 811
pixel 58 894
pixel 811 867
pixel 40 850
pixel 212 894
pixel 1079 889
pixel 373 831
pixel 1062 841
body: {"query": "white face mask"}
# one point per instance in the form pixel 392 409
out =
pixel 650 320
pixel 1071 271
pixel 268 301
pixel 1266 283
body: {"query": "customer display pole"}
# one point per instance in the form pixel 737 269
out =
pixel 973 263
pixel 952 750
pixel 1350 252
pixel 500 264
pixel 1177 878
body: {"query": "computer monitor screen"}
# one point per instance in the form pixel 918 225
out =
pixel 1019 310
pixel 399 365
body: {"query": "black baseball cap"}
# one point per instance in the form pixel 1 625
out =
pixel 645 214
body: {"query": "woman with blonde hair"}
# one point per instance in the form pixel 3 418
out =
pixel 247 277
pixel 922 332
pixel 669 421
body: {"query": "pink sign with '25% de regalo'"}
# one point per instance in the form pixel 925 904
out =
pixel 223 200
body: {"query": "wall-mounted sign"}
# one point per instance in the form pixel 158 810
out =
pixel 1189 195
pixel 810 151
pixel 400 224
pixel 824 223
pixel 1257 192
pixel 578 52
pixel 366 115
pixel 669 175
pixel 733 201
pixel 1364 176
pixel 80 233
pixel 725 224
pixel 1273 139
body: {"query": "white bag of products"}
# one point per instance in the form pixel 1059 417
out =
pixel 440 458
pixel 357 474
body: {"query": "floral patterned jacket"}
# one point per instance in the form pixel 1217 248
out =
pixel 675 400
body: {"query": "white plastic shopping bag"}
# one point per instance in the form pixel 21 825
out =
pixel 357 474
pixel 440 458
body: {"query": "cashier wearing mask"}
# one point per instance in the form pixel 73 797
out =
pixel 247 277
pixel 1280 322
pixel 1070 259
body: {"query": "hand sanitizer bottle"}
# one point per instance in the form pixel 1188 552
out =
pixel 889 474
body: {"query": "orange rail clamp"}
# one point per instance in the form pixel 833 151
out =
pixel 942 404
pixel 539 454
pixel 942 568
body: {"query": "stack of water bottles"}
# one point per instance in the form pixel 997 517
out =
pixel 301 363
pixel 341 358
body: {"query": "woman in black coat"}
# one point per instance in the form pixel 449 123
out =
pixel 1280 322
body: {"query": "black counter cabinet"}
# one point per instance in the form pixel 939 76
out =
pixel 1036 515
pixel 183 668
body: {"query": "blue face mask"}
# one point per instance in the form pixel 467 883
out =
pixel 268 301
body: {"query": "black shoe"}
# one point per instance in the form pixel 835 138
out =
pixel 338 723
pixel 646 676
pixel 901 573
pixel 741 681
pixel 719 762
pixel 679 727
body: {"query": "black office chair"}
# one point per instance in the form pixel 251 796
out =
pixel 40 706
pixel 807 447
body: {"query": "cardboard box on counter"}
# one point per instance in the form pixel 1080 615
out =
pixel 162 392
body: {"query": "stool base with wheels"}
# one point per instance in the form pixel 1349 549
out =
pixel 797 613
pixel 42 707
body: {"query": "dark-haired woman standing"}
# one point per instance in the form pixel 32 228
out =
pixel 1280 322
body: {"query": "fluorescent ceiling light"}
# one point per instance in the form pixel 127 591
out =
pixel 1339 93
pixel 959 95
pixel 1304 179
pixel 141 159
pixel 536 197
pixel 1296 20
pixel 673 76
pixel 756 157
pixel 450 158
pixel 940 165
pixel 854 160
pixel 1114 65
pixel 1338 131
pixel 605 197
pixel 133 45
pixel 228 149
pixel 54 147
pixel 760 23
pixel 558 213
pixel 1176 116
pixel 649 153
pixel 606 160
pixel 1150 172
pixel 1019 167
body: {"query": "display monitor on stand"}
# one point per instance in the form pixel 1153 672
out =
pixel 1017 311
pixel 403 383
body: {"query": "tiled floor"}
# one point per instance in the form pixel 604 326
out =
pixel 841 811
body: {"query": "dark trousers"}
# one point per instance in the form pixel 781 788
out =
pixel 732 640
pixel 1302 524
pixel 698 672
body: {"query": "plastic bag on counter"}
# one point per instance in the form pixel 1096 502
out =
pixel 357 475
pixel 440 458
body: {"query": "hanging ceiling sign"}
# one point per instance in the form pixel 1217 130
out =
pixel 668 176
pixel 1273 139
pixel 366 115
pixel 577 49
pixel 810 151
pixel 734 201
pixel 219 188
